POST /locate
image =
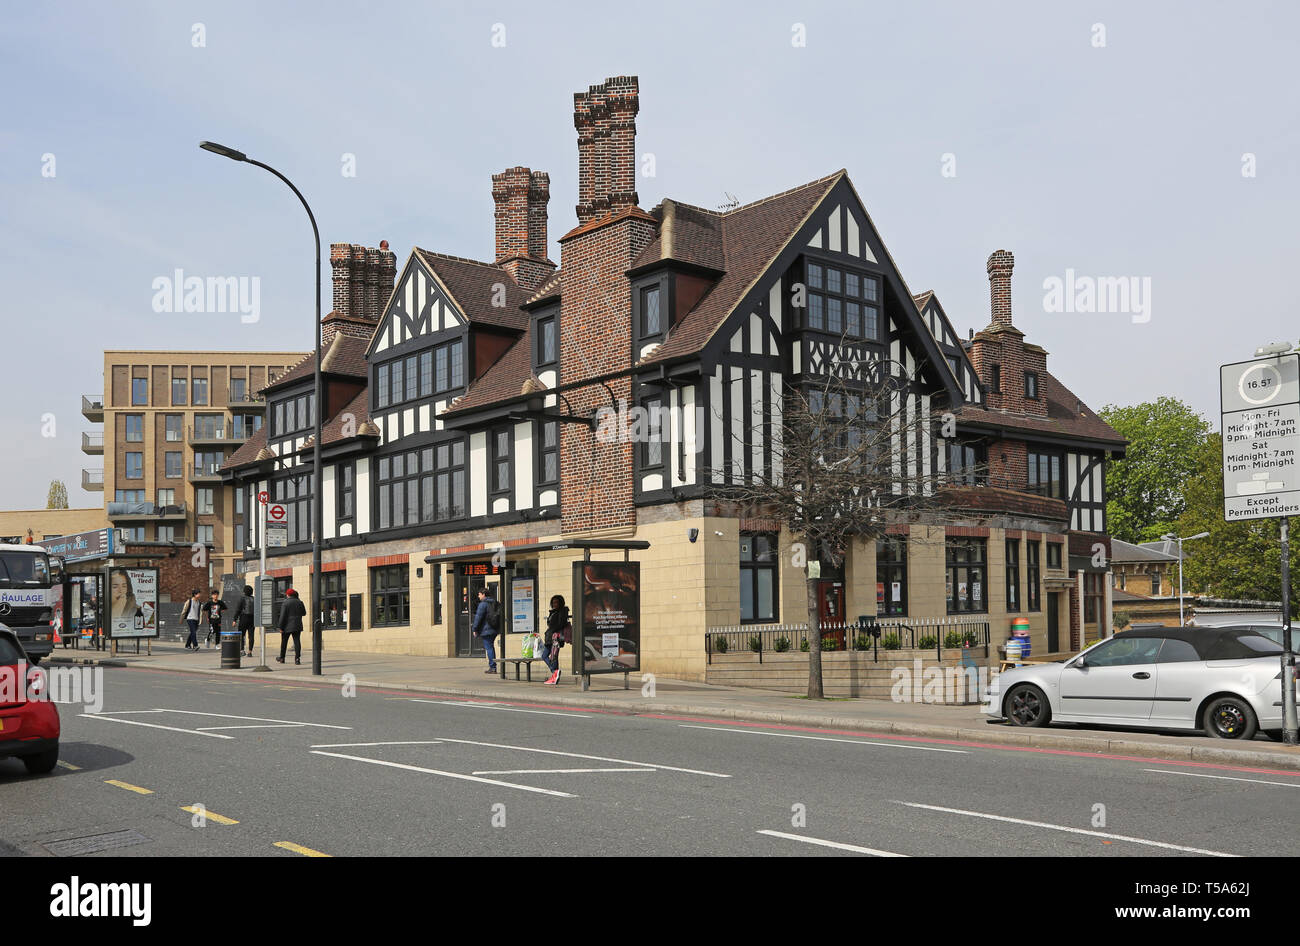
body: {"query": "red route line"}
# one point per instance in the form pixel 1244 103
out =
pixel 933 740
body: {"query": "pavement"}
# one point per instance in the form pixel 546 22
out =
pixel 449 676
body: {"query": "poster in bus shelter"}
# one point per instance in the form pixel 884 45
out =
pixel 132 602
pixel 607 616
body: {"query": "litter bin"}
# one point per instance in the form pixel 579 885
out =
pixel 230 641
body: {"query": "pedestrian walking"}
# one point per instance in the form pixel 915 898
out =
pixel 557 622
pixel 291 614
pixel 193 611
pixel 214 607
pixel 487 624
pixel 243 619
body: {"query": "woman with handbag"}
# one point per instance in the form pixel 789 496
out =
pixel 556 623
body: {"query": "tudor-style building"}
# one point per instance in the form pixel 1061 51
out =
pixel 459 419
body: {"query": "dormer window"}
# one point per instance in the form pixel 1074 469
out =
pixel 548 343
pixel 651 312
pixel 1031 385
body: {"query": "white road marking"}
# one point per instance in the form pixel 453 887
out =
pixel 1227 778
pixel 856 742
pixel 578 755
pixel 357 745
pixel 131 712
pixel 456 775
pixel 839 845
pixel 504 709
pixel 1067 829
pixel 256 719
pixel 255 726
pixel 132 722
pixel 554 771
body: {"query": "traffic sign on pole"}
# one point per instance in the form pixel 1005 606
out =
pixel 263 496
pixel 1260 401
pixel 277 513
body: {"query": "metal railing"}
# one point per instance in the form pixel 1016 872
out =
pixel 204 470
pixel 212 433
pixel 92 404
pixel 92 443
pixel 890 634
pixel 246 400
pixel 92 479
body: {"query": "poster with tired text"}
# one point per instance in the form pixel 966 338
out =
pixel 608 616
pixel 132 602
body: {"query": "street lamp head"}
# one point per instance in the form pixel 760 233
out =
pixel 1199 535
pixel 222 150
pixel 1277 348
pixel 1169 537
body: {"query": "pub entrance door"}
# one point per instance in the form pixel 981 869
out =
pixel 470 577
pixel 830 610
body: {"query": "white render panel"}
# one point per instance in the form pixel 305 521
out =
pixel 410 300
pixel 774 310
pixel 798 357
pixel 738 340
pixel 774 385
pixel 757 334
pixel 424 418
pixel 328 502
pixel 716 423
pixel 756 422
pixel 549 401
pixel 522 461
pixel 816 241
pixel 408 421
pixel 925 445
pixel 438 408
pixel 646 350
pixel 866 249
pixel 547 377
pixel 834 245
pixel 383 342
pixel 690 433
pixel 500 505
pixel 911 444
pixel 895 444
pixel 674 435
pixel 737 424
pixel 548 497
pixel 854 247
pixel 362 498
pixel 652 482
pixel 478 474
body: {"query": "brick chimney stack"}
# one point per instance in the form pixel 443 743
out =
pixel 605 117
pixel 362 281
pixel 521 197
pixel 1000 264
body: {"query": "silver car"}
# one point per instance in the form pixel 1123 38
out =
pixel 1223 680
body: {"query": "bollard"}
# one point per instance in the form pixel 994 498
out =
pixel 230 642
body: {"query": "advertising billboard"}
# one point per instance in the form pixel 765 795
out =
pixel 132 603
pixel 607 621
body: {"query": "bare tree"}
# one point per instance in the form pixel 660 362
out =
pixel 843 445
pixel 57 498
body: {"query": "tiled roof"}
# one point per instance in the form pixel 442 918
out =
pixel 752 238
pixel 473 287
pixel 359 408
pixel 504 380
pixel 923 299
pixel 345 355
pixel 550 287
pixel 696 237
pixel 248 451
pixel 1062 419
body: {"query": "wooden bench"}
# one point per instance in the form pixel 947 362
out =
pixel 527 661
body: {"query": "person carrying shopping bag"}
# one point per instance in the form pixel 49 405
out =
pixel 557 621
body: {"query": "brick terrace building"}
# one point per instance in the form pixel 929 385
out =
pixel 448 433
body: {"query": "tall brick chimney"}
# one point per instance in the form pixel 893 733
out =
pixel 362 281
pixel 1000 265
pixel 596 302
pixel 605 117
pixel 521 197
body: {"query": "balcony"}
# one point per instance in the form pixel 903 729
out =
pixel 216 434
pixel 205 472
pixel 244 401
pixel 146 512
pixel 92 444
pixel 93 480
pixel 92 408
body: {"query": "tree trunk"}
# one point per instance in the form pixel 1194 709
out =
pixel 814 644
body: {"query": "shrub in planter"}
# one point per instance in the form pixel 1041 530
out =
pixel 803 645
pixel 959 639
pixel 891 642
pixel 781 645
pixel 720 644
pixel 929 642
pixel 756 643
pixel 863 642
pixel 830 642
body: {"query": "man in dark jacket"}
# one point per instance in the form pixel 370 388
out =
pixel 484 628
pixel 213 608
pixel 243 619
pixel 291 614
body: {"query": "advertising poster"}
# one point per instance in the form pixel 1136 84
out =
pixel 608 616
pixel 132 602
pixel 523 605
pixel 896 589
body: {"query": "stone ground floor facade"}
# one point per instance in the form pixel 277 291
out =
pixel 699 571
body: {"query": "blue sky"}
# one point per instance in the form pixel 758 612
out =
pixel 1122 160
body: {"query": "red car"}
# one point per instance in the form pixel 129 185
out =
pixel 29 723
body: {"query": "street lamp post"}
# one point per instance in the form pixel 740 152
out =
pixel 317 504
pixel 1170 537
